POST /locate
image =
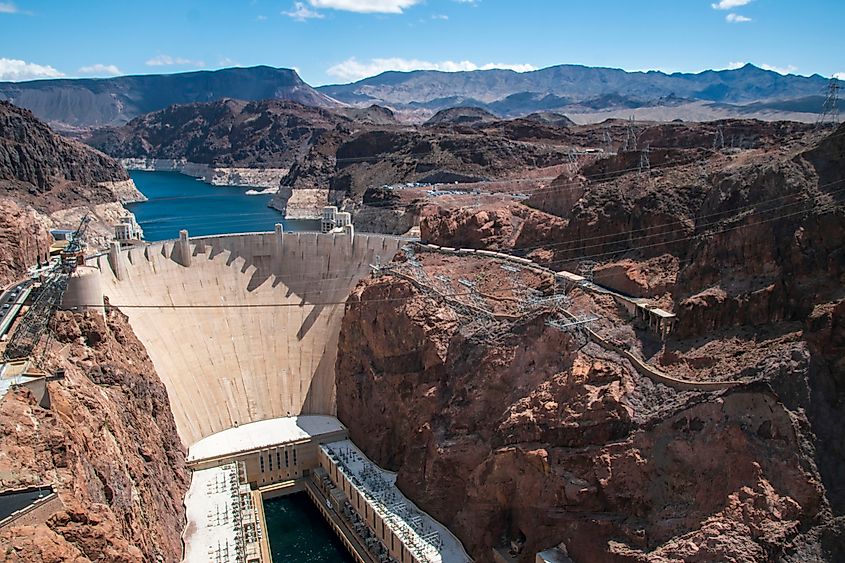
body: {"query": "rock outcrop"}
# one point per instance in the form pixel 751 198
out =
pixel 226 133
pixel 529 438
pixel 108 446
pixel 24 240
pixel 48 181
pixel 45 170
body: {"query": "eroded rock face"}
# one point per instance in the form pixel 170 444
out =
pixel 37 163
pixel 535 439
pixel 24 239
pixel 498 228
pixel 107 445
pixel 47 181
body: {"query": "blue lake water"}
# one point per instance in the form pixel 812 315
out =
pixel 298 533
pixel 180 202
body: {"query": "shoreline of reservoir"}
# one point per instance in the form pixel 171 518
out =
pixel 176 201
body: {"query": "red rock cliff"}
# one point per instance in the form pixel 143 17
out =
pixel 108 446
pixel 530 437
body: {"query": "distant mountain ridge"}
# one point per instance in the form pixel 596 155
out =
pixel 749 91
pixel 97 102
pixel 510 93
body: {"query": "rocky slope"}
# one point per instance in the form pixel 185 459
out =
pixel 47 181
pixel 524 436
pixel 461 116
pixel 346 166
pixel 43 168
pixel 108 446
pixel 225 133
pixel 76 104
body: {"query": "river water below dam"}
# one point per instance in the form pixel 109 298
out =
pixel 179 202
pixel 298 533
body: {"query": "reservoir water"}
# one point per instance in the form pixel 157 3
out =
pixel 298 533
pixel 179 202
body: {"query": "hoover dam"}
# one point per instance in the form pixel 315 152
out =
pixel 241 328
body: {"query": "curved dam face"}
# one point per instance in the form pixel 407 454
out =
pixel 241 328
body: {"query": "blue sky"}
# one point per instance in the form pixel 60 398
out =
pixel 330 41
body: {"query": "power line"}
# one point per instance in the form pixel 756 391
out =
pixel 695 226
pixel 583 258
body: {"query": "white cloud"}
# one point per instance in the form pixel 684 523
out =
pixel 839 75
pixel 470 2
pixel 100 70
pixel 440 17
pixel 788 69
pixel 8 8
pixel 353 69
pixel 226 61
pixel 300 12
pixel 729 4
pixel 16 69
pixel 167 60
pixel 261 18
pixel 734 65
pixel 736 18
pixel 366 6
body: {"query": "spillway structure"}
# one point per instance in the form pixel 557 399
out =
pixel 241 328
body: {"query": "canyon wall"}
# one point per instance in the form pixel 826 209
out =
pixel 533 437
pixel 24 240
pixel 107 444
pixel 529 437
pixel 47 181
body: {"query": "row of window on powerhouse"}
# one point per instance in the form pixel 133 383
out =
pixel 278 460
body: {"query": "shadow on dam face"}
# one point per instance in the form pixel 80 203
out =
pixel 241 328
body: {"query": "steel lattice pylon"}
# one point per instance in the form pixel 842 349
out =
pixel 830 108
pixel 34 323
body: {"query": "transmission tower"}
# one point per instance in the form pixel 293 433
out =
pixel 585 269
pixel 572 161
pixel 608 141
pixel 630 137
pixel 645 165
pixel 830 108
pixel 719 139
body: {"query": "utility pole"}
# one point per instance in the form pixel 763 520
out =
pixel 830 107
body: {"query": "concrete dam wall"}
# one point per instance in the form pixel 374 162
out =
pixel 241 328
